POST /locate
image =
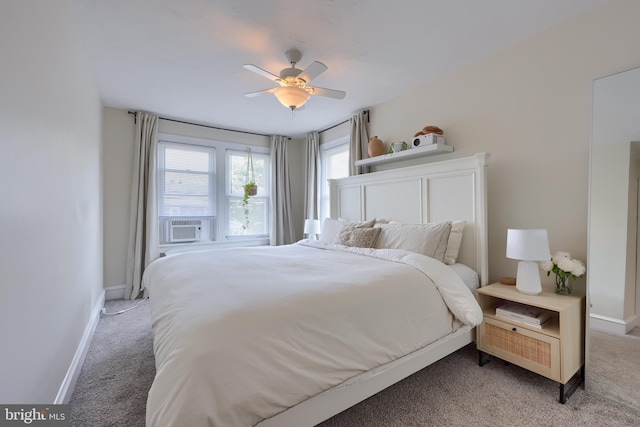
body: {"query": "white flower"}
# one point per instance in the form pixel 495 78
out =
pixel 546 265
pixel 565 264
pixel 560 255
pixel 578 268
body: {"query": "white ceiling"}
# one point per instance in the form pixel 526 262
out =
pixel 183 59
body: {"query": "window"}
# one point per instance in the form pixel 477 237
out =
pixel 334 163
pixel 251 218
pixel 186 181
pixel 201 190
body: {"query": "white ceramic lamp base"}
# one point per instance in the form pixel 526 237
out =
pixel 528 279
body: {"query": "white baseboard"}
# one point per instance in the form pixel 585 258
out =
pixel 69 382
pixel 114 292
pixel 611 325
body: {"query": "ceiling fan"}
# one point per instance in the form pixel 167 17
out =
pixel 294 91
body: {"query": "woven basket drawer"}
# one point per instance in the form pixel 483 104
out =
pixel 524 347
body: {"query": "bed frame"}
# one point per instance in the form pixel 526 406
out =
pixel 433 192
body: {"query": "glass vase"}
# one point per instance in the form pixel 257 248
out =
pixel 563 285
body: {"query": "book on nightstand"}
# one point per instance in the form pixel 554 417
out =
pixel 532 316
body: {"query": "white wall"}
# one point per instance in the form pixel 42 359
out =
pixel 530 107
pixel 117 162
pixel 51 198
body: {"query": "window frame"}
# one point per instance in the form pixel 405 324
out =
pixel 326 149
pixel 220 218
pixel 162 171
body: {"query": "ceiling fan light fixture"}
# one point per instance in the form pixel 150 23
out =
pixel 292 97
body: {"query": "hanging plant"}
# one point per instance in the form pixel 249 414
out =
pixel 250 189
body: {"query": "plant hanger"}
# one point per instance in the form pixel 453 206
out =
pixel 250 188
pixel 251 185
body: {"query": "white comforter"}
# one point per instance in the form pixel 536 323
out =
pixel 243 334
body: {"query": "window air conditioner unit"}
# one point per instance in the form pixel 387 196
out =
pixel 185 230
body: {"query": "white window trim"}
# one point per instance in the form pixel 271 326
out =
pixel 220 203
pixel 325 149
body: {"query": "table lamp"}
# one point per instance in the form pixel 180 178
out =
pixel 528 246
pixel 312 228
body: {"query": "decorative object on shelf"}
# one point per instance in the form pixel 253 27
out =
pixel 528 246
pixel 428 139
pixel 428 135
pixel 429 129
pixel 376 146
pixel 312 228
pixel 565 269
pixel 396 147
pixel 250 188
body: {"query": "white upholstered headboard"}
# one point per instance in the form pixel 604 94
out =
pixel 434 192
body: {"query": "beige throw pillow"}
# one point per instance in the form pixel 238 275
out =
pixel 331 227
pixel 357 237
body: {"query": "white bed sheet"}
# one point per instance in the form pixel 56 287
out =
pixel 243 334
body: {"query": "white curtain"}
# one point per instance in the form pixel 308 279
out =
pixel 358 142
pixel 143 226
pixel 312 149
pixel 281 229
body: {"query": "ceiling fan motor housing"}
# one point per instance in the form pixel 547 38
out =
pixel 289 72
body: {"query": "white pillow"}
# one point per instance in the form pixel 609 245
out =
pixel 455 240
pixel 427 239
pixel 331 227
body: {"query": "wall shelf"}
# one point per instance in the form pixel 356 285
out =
pixel 411 153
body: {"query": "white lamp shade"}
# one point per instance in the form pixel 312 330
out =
pixel 312 226
pixel 528 246
pixel 291 96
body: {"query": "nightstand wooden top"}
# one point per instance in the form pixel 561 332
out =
pixel 547 299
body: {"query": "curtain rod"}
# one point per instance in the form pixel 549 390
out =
pixel 206 126
pixel 341 123
pixel 241 131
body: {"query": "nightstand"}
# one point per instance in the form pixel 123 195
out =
pixel 555 351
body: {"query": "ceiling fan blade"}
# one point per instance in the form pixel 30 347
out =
pixel 260 71
pixel 260 92
pixel 330 93
pixel 312 71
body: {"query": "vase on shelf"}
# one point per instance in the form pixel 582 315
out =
pixel 375 147
pixel 563 285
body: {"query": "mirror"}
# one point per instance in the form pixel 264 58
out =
pixel 613 268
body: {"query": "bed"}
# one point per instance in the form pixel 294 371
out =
pixel 292 335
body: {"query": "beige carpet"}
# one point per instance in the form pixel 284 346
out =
pixel 113 384
pixel 614 366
